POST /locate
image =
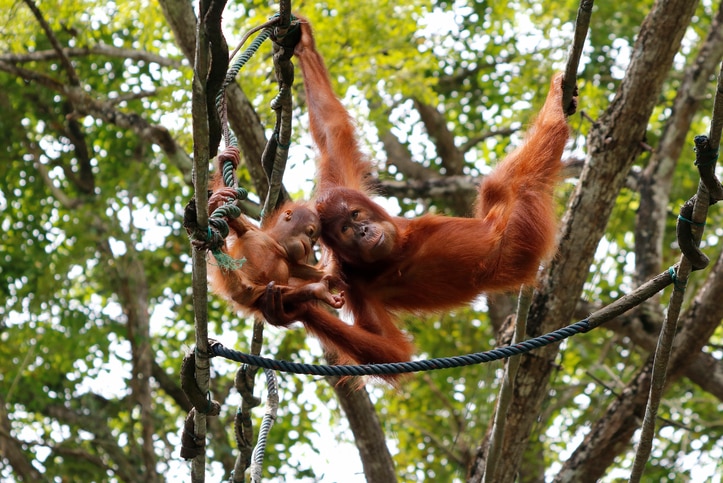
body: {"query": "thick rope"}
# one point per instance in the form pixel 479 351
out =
pixel 272 406
pixel 596 319
pixel 228 136
pixel 690 228
pixel 191 444
pixel 212 239
pixel 214 236
pixel 285 37
pixel 401 367
pixel 582 24
pixel 218 225
pixel 709 191
pixel 506 394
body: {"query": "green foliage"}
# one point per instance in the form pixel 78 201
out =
pixel 82 200
pixel 444 414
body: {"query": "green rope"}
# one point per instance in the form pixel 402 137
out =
pixel 694 223
pixel 242 59
pixel 229 174
pixel 677 285
pixel 217 222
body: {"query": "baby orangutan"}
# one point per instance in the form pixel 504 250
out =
pixel 276 253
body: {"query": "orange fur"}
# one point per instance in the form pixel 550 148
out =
pixel 431 262
pixel 278 252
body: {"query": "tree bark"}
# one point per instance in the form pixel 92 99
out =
pixel 368 435
pixel 656 180
pixel 611 434
pixel 241 114
pixel 613 145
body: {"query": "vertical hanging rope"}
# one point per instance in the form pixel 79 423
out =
pixel 274 163
pixel 504 399
pixel 200 291
pixel 243 426
pixel 229 136
pixel 278 144
pixel 702 200
pixel 272 406
pixel 582 25
pixel 277 149
pixel 209 67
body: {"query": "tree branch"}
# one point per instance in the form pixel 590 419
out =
pixel 64 60
pixel 430 188
pixel 100 49
pixel 85 105
pixel 657 178
pixel 368 434
pixel 474 141
pixel 12 448
pixel 436 126
pixel 31 75
pixel 614 144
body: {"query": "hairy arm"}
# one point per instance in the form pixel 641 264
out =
pixel 516 199
pixel 341 161
pixel 239 226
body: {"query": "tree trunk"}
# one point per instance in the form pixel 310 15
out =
pixel 368 433
pixel 613 145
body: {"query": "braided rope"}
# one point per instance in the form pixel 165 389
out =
pixel 229 174
pixel 243 58
pixel 218 228
pixel 217 349
pixel 228 135
pixel 272 403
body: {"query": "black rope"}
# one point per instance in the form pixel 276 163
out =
pixel 218 349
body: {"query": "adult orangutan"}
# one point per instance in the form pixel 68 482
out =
pixel 276 275
pixel 430 263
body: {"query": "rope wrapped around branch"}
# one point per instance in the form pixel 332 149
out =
pixel 191 445
pixel 688 240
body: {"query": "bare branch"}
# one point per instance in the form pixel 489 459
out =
pixel 398 156
pixel 429 188
pixel 472 142
pixel 86 105
pixel 31 75
pixel 100 49
pixel 436 125
pixel 64 60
